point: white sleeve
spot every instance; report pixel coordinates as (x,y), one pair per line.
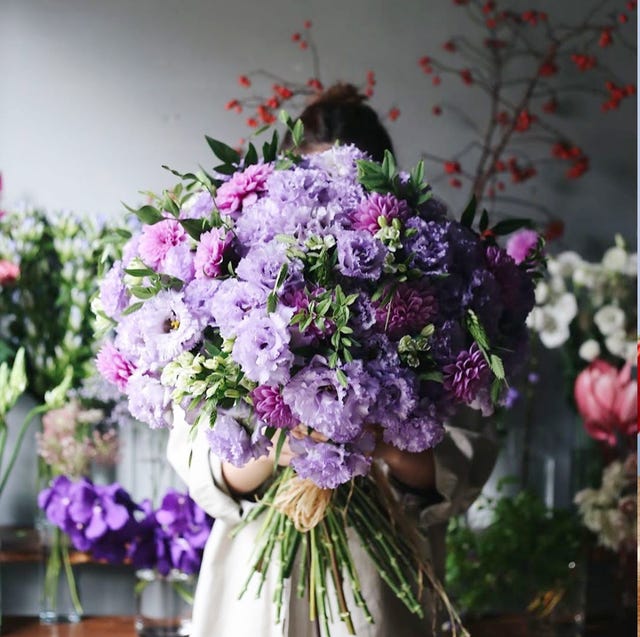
(201,471)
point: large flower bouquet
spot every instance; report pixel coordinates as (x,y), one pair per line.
(329,302)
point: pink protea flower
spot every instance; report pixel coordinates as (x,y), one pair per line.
(410,309)
(468,375)
(9,272)
(607,400)
(243,189)
(156,240)
(113,366)
(210,253)
(270,407)
(365,216)
(521,243)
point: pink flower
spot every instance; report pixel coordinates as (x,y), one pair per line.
(409,310)
(270,407)
(210,252)
(156,240)
(521,244)
(607,400)
(9,272)
(113,366)
(243,189)
(366,216)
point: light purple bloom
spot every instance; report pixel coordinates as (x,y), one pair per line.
(261,347)
(113,292)
(360,255)
(232,301)
(179,262)
(420,432)
(318,399)
(149,401)
(262,264)
(199,206)
(230,441)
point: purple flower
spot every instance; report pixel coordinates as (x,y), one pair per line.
(261,347)
(318,399)
(418,433)
(468,375)
(262,265)
(199,206)
(232,301)
(242,189)
(197,298)
(366,216)
(269,406)
(113,293)
(429,248)
(360,255)
(210,253)
(149,400)
(178,262)
(326,464)
(410,309)
(230,441)
(157,239)
(114,366)
(521,244)
(398,395)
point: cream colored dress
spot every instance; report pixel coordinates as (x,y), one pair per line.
(463,462)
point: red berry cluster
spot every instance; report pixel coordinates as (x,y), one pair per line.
(524,121)
(574,154)
(371,82)
(616,95)
(302,40)
(584,62)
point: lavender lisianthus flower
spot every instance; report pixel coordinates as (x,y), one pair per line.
(468,375)
(199,206)
(149,400)
(366,215)
(269,406)
(210,253)
(157,239)
(339,161)
(197,297)
(398,394)
(114,366)
(319,400)
(261,347)
(428,248)
(242,189)
(166,326)
(261,266)
(326,464)
(113,292)
(230,441)
(421,431)
(360,255)
(232,301)
(179,262)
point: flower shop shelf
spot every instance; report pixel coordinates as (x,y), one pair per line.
(89,627)
(18,544)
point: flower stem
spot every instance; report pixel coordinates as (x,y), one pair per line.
(71,580)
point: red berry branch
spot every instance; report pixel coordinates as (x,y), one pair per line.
(526,64)
(260,106)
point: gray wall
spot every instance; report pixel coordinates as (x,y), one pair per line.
(96,95)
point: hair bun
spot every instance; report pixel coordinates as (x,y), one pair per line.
(340,93)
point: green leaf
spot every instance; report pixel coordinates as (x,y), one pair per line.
(496,389)
(251,156)
(469,213)
(484,221)
(223,152)
(272,303)
(142,292)
(225,169)
(195,227)
(434,376)
(495,362)
(140,272)
(511,225)
(342,378)
(417,174)
(297,133)
(281,440)
(282,275)
(147,214)
(476,330)
(133,308)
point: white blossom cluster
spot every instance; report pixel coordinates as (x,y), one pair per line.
(597,301)
(48,309)
(610,511)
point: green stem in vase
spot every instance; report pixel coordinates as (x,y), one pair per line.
(52,572)
(71,580)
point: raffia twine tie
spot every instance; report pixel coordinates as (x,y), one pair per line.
(303,501)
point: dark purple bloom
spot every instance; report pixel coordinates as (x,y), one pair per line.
(429,248)
(360,255)
(269,406)
(410,309)
(468,375)
(422,431)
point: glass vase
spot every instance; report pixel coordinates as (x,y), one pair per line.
(59,595)
(163,603)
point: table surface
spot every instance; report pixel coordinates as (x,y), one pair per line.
(88,627)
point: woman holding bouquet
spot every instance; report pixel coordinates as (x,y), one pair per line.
(429,486)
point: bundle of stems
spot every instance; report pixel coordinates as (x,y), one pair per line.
(322,551)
